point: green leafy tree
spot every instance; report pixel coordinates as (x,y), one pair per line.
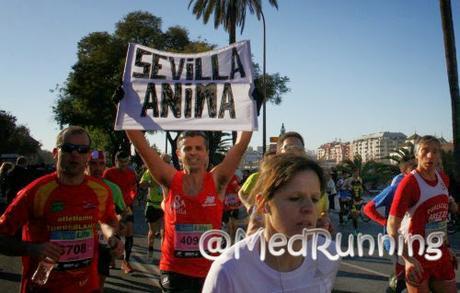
(16,138)
(140,27)
(85,98)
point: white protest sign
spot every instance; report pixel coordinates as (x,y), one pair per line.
(172,91)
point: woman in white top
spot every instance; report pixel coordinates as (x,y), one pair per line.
(288,189)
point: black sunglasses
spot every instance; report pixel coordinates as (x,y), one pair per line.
(70,147)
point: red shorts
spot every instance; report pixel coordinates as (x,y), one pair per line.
(440,270)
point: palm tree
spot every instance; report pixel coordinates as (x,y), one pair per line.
(219,144)
(404,154)
(372,173)
(452,73)
(229,14)
(350,166)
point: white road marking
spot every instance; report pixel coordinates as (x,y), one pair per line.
(365,269)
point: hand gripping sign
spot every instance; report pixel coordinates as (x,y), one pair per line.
(172,91)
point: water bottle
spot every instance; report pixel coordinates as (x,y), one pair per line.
(43,271)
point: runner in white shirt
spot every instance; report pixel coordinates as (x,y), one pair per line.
(287,191)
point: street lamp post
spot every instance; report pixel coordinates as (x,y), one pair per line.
(264,107)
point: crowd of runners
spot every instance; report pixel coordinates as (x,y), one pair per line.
(80,218)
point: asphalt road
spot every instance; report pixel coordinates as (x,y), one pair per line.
(356,274)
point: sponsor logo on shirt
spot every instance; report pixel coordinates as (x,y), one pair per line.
(178,205)
(89,205)
(82,282)
(57,206)
(210,201)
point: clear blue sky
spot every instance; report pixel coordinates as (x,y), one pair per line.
(356,67)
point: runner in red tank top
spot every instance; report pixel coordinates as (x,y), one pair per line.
(193,204)
(422,200)
(125,177)
(59,213)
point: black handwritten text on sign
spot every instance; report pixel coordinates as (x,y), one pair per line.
(195,89)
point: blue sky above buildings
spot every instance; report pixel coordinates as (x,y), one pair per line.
(356,67)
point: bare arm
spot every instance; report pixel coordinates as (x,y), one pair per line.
(245,200)
(109,230)
(162,172)
(224,171)
(413,268)
(9,245)
(393,225)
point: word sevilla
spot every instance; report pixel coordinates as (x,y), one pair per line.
(193,91)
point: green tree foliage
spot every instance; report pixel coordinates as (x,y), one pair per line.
(16,138)
(85,98)
(276,86)
(142,28)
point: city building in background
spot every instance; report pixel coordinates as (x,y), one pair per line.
(335,151)
(377,146)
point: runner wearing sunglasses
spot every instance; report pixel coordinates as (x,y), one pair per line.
(59,213)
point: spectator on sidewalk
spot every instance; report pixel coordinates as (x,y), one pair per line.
(17,178)
(4,169)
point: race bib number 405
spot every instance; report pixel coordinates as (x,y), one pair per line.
(187,238)
(78,248)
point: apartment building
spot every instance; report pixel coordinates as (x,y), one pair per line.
(377,146)
(333,152)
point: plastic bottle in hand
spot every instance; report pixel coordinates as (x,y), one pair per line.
(43,271)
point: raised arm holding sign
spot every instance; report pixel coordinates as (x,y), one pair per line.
(206,91)
(193,203)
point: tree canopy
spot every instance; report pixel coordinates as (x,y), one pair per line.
(16,138)
(85,97)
